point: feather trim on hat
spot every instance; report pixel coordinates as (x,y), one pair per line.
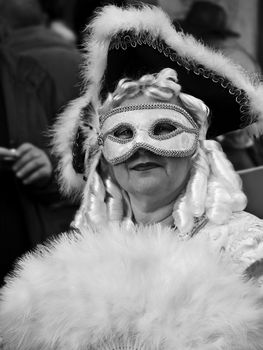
(64,133)
(79,117)
(136,288)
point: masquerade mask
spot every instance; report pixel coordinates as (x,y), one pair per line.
(164,129)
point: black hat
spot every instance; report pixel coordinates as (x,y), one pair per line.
(130,42)
(206,19)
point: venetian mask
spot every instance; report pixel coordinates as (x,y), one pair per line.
(165,129)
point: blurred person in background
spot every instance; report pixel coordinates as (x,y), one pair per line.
(83,12)
(57,18)
(39,75)
(208,22)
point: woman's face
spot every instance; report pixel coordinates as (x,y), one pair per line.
(149,174)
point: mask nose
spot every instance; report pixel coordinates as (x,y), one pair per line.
(141,152)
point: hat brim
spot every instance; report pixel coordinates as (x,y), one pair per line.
(202,32)
(225,33)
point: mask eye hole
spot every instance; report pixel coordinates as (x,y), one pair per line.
(163,128)
(123,132)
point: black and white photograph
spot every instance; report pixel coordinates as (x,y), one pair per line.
(131,175)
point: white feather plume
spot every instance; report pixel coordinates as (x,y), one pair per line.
(137,287)
(64,132)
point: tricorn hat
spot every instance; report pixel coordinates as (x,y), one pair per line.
(130,42)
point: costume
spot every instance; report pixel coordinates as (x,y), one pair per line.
(112,283)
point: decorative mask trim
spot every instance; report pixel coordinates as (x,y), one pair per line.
(157,105)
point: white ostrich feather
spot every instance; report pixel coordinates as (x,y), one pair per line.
(64,132)
(121,287)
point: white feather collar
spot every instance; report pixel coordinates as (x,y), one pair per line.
(131,286)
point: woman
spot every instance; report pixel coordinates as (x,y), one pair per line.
(128,276)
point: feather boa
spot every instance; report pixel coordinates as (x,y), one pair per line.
(127,287)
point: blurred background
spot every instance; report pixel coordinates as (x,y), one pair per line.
(244,17)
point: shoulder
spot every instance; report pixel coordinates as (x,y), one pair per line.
(241,238)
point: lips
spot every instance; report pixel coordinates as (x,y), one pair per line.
(145,166)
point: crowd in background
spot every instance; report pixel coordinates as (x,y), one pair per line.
(40,61)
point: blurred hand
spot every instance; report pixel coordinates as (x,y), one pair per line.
(7,154)
(32,165)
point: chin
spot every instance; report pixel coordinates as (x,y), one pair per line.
(148,184)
